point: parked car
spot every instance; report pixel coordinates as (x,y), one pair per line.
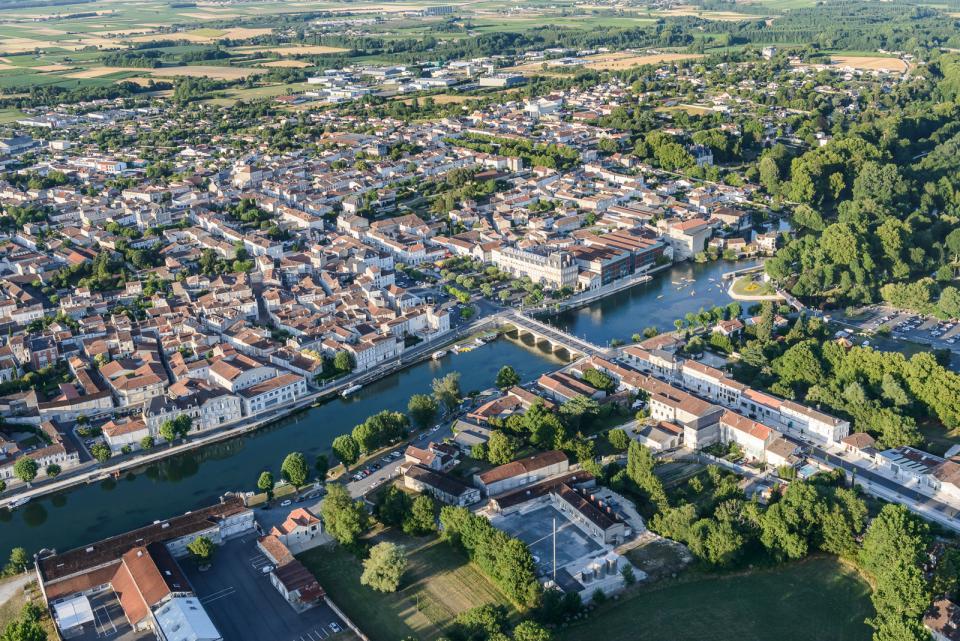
(267,569)
(286,503)
(335,627)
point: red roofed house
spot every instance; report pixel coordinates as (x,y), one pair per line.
(301,530)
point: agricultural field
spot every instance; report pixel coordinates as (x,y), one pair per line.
(439,584)
(607,62)
(757,605)
(727,16)
(292,50)
(872,63)
(624,60)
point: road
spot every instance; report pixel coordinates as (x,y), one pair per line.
(923,504)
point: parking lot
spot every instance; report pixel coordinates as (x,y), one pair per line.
(535,528)
(913,327)
(238,596)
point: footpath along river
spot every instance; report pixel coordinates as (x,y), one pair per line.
(184,482)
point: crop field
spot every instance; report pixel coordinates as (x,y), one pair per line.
(615,61)
(292,50)
(610,61)
(871,63)
(204,35)
(727,16)
(286,64)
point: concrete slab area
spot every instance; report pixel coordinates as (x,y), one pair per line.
(535,528)
(245,606)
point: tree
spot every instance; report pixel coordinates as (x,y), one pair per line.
(295,469)
(19,560)
(447,391)
(599,380)
(24,630)
(619,439)
(422,409)
(893,553)
(482,622)
(53,470)
(640,464)
(265,483)
(101,452)
(530,631)
(344,518)
(346,449)
(146,443)
(168,431)
(202,549)
(378,430)
(422,518)
(25,469)
(500,449)
(384,568)
(393,506)
(344,361)
(507,377)
(321,466)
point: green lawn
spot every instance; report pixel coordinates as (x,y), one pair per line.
(748,286)
(439,584)
(814,600)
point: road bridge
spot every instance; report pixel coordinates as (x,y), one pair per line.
(557,339)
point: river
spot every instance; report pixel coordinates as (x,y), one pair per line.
(91,512)
(656,303)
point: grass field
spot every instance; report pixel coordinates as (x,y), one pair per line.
(747,286)
(814,600)
(439,584)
